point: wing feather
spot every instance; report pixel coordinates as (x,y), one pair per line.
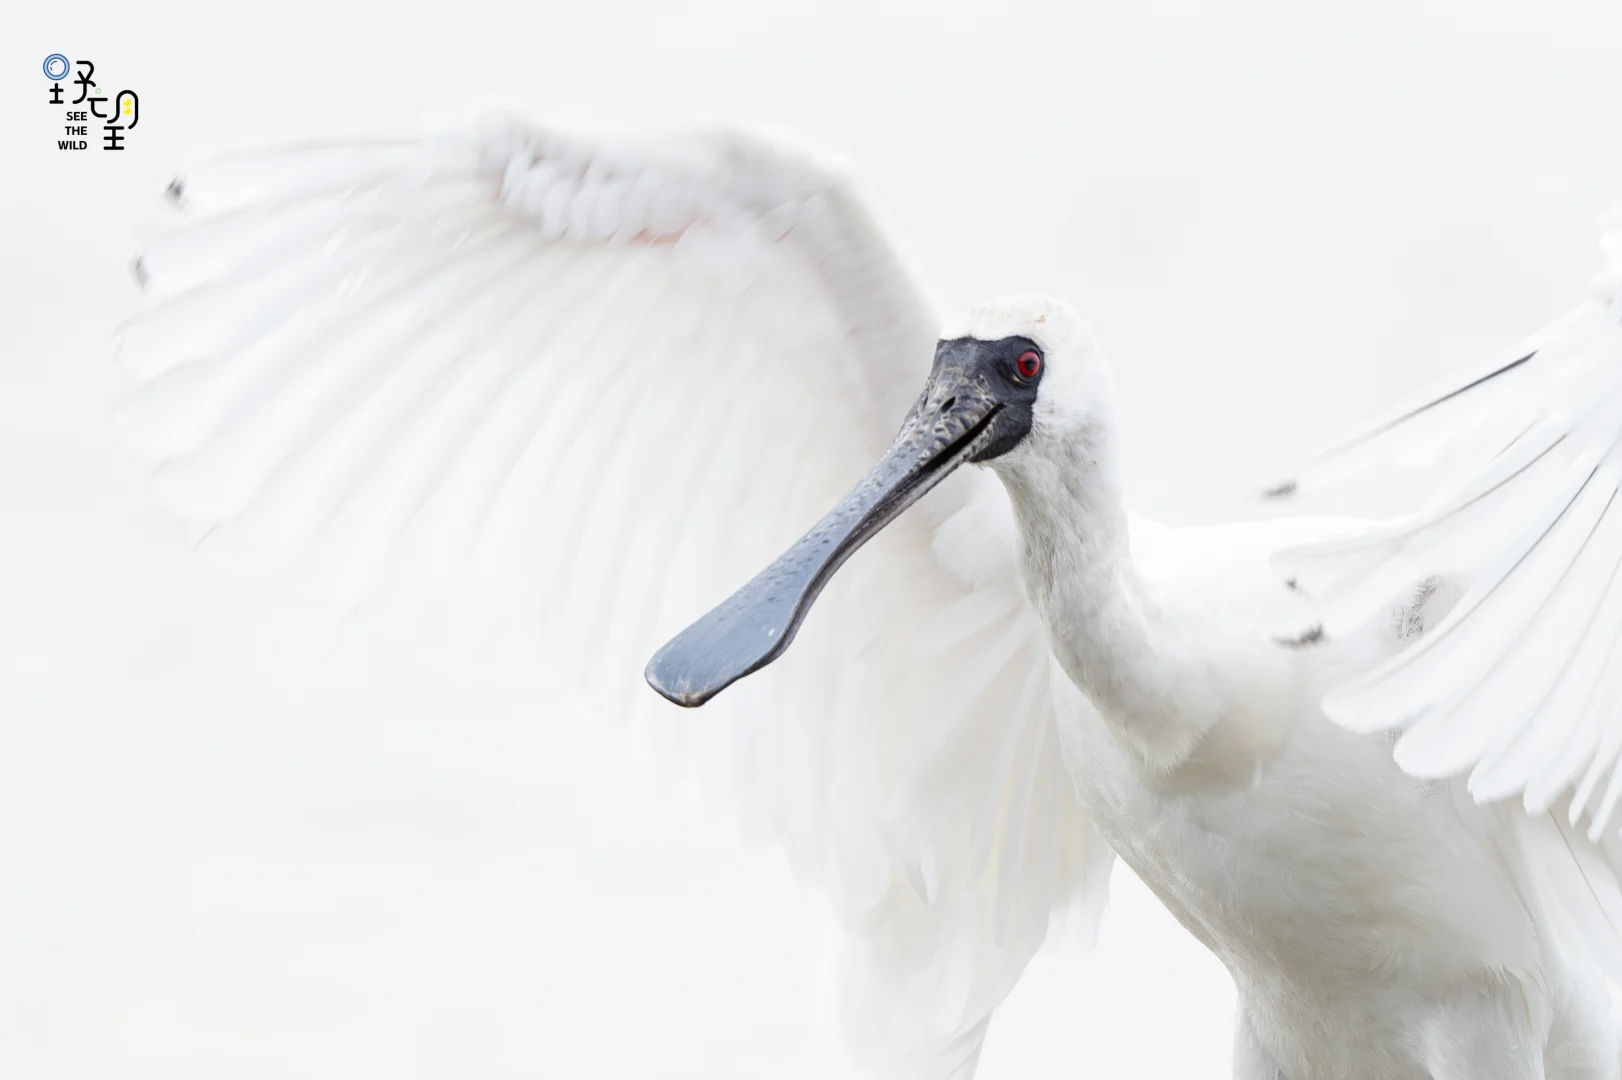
(540,394)
(1513,476)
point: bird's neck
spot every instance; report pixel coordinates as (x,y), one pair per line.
(1152,669)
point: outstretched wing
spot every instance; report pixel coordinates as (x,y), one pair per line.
(1516,472)
(542,394)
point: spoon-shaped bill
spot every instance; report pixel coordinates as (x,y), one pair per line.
(754,625)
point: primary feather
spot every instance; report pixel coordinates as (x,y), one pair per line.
(1520,685)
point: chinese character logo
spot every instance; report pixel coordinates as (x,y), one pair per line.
(83,111)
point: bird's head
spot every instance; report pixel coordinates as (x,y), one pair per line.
(1012,380)
(1024,367)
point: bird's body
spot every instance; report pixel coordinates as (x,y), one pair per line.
(545,392)
(1375,925)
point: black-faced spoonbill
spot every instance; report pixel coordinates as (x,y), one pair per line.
(545,393)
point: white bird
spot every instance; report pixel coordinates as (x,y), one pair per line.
(545,392)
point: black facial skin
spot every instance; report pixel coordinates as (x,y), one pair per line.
(992,368)
(976,406)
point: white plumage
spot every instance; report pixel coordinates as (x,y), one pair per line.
(542,393)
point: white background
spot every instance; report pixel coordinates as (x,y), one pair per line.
(240,839)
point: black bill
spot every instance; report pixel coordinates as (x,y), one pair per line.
(962,415)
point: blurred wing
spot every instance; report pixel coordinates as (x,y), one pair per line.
(543,395)
(1516,677)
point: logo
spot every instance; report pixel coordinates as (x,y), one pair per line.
(85,111)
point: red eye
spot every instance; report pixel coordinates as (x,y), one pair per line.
(1029,363)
